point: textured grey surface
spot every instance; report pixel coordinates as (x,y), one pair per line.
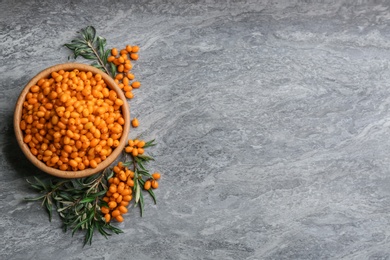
(271,117)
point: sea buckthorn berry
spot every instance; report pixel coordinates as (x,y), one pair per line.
(141,144)
(105,210)
(147,185)
(129,94)
(154,184)
(134,56)
(114,51)
(135,122)
(130,76)
(136,84)
(112,204)
(124,203)
(128,149)
(130,182)
(107,218)
(119,218)
(115,213)
(112,188)
(129,48)
(156,176)
(122,209)
(127,198)
(135,49)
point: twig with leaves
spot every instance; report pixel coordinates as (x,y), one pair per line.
(77,202)
(92,47)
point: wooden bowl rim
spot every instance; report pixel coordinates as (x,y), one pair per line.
(71,174)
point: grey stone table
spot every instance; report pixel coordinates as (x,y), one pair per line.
(271,117)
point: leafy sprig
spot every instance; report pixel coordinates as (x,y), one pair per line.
(77,202)
(92,47)
(139,167)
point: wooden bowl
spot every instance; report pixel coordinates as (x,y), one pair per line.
(71,174)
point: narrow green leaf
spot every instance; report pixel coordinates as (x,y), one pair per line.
(35,199)
(137,192)
(88,199)
(40,182)
(141,204)
(150,143)
(49,208)
(112,69)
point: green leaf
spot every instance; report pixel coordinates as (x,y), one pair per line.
(40,182)
(89,33)
(141,203)
(106,55)
(101,42)
(145,173)
(112,69)
(35,199)
(88,199)
(49,208)
(150,143)
(137,191)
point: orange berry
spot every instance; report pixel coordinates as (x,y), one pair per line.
(129,48)
(130,76)
(156,176)
(115,213)
(147,185)
(136,84)
(117,169)
(129,94)
(122,209)
(128,149)
(135,48)
(119,76)
(119,218)
(114,51)
(141,144)
(154,184)
(111,59)
(112,188)
(134,56)
(127,198)
(124,203)
(140,150)
(107,217)
(134,152)
(105,210)
(130,182)
(135,122)
(112,204)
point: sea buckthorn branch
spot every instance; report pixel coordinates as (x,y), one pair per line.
(128,181)
(91,47)
(77,202)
